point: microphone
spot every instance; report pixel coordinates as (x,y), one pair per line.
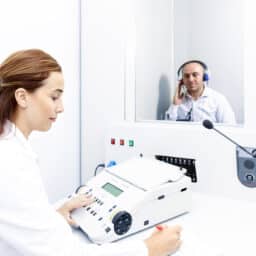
(246,166)
(209,125)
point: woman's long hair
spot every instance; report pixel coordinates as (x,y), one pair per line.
(23,69)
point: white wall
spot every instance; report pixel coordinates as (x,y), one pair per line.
(52,26)
(249,63)
(153,57)
(218,40)
(103,75)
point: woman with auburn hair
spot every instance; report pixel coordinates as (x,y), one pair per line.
(31,86)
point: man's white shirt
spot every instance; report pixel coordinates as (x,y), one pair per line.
(210,105)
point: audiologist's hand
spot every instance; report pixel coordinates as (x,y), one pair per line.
(163,242)
(75,202)
(179,95)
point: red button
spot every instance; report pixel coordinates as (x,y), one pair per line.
(121,142)
(113,141)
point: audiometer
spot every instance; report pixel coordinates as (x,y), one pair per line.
(132,196)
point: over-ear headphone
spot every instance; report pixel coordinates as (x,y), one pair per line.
(206,75)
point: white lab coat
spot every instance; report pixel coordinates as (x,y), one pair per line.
(29,225)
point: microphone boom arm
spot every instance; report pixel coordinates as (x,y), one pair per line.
(233,142)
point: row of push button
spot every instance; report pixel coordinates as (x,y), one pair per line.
(92,212)
(111,209)
(97,200)
(122,142)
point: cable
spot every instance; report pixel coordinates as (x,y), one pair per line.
(97,167)
(95,173)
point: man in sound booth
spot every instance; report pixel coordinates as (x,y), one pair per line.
(194,100)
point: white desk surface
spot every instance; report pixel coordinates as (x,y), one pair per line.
(215,226)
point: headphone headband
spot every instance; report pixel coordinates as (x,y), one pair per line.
(206,76)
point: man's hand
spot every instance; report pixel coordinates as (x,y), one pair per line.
(179,95)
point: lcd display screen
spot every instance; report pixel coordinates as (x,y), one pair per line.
(113,190)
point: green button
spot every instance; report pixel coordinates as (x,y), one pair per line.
(131,143)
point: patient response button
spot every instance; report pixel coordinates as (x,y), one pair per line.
(249,177)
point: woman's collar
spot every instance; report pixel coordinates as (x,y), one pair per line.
(11,130)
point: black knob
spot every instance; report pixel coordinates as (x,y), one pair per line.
(122,222)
